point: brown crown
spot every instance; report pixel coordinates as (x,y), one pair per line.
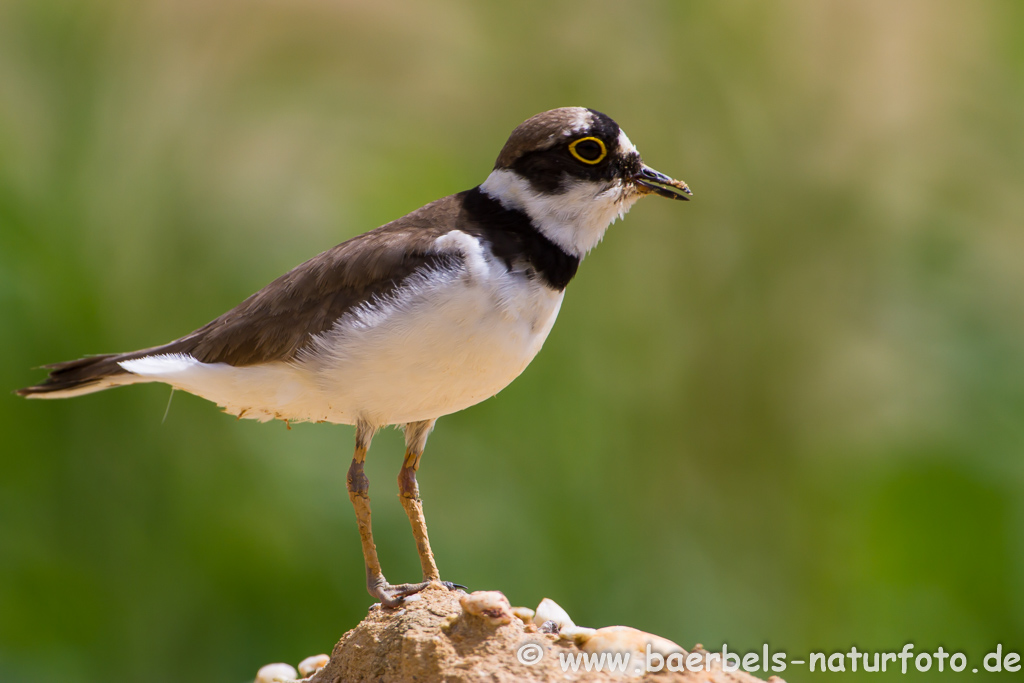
(543,131)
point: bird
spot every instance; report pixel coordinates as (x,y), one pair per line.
(414,320)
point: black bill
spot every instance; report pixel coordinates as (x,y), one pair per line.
(661,184)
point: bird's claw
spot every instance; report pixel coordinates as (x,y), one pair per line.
(394,596)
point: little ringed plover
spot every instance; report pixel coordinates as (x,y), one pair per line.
(422,317)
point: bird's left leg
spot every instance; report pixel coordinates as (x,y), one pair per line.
(409,493)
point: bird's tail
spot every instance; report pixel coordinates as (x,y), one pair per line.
(82,376)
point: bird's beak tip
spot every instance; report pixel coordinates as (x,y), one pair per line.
(650,181)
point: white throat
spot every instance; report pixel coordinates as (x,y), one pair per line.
(575,219)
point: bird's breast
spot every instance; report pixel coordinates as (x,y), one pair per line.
(444,341)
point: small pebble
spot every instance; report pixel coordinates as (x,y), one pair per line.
(490,605)
(276,673)
(549,626)
(310,665)
(548,610)
(577,634)
(524,614)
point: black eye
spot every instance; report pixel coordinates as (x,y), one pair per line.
(589,150)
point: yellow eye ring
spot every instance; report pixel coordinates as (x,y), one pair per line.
(599,159)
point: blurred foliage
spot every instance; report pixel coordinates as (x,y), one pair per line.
(790,411)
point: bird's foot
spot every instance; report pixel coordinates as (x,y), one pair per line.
(394,596)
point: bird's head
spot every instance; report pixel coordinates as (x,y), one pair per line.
(573,171)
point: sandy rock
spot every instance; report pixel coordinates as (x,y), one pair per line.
(434,640)
(491,605)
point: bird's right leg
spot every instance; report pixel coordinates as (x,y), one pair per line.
(359,494)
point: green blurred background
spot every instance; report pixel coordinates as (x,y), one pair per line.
(790,411)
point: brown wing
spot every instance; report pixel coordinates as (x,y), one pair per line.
(280,319)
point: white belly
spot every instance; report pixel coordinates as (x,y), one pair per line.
(445,352)
(440,345)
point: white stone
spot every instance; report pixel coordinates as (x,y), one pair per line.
(490,605)
(276,673)
(524,614)
(310,665)
(577,634)
(627,639)
(548,610)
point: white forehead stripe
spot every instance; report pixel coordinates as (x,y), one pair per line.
(625,146)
